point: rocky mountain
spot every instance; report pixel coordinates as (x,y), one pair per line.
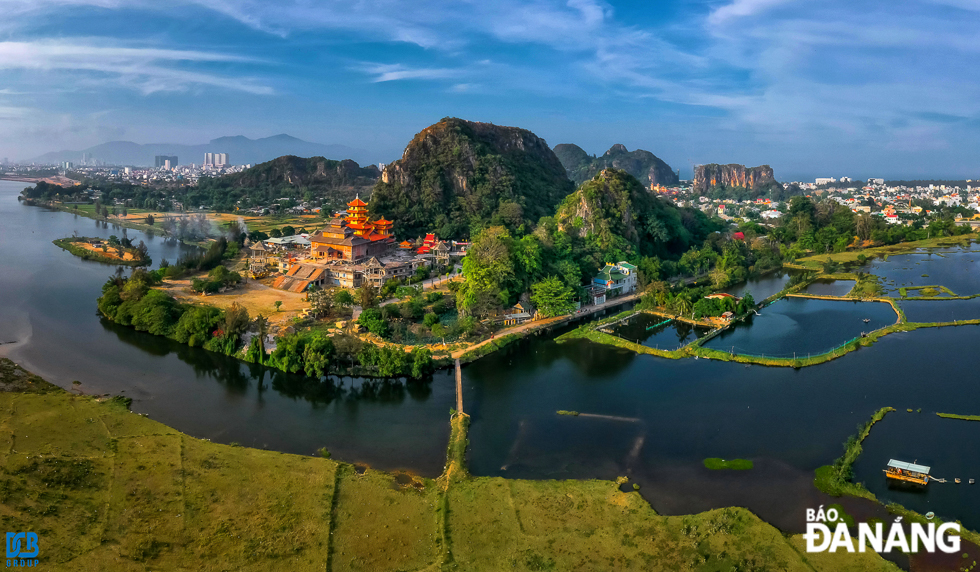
(457,176)
(713,176)
(317,179)
(241,151)
(620,214)
(644,165)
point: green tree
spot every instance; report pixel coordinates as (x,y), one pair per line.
(421,362)
(343,298)
(372,320)
(320,300)
(367,295)
(277,304)
(552,297)
(488,268)
(317,355)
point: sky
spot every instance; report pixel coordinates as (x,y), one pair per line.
(813,88)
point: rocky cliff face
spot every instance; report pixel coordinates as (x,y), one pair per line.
(644,165)
(458,175)
(713,175)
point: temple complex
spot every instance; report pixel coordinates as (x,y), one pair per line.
(354,238)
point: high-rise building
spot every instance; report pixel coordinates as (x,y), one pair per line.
(161,160)
(215,159)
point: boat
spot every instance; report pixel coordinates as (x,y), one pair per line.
(907,472)
(957,481)
(930,515)
(866,320)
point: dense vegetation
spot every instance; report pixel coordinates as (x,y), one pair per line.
(644,165)
(458,177)
(611,218)
(287,180)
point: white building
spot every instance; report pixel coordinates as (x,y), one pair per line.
(825,180)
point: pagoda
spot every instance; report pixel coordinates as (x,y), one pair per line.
(357,218)
(355,237)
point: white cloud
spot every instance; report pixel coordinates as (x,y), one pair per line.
(142,69)
(395,72)
(741,9)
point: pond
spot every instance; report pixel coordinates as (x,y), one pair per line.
(763,286)
(940,310)
(801,326)
(954,268)
(948,446)
(829,287)
(658,332)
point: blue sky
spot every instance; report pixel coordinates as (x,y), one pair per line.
(814,88)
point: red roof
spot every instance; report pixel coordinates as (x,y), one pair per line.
(382,221)
(739,236)
(357,202)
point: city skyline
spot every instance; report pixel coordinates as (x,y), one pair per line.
(836,89)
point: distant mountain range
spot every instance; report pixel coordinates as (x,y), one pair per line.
(241,151)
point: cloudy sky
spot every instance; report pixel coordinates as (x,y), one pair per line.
(814,88)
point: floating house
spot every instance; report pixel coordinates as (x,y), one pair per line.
(907,472)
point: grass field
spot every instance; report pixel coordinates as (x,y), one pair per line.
(107,489)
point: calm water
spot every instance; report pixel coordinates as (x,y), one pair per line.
(763,286)
(941,310)
(803,325)
(662,417)
(955,268)
(829,287)
(653,419)
(949,446)
(48,309)
(669,336)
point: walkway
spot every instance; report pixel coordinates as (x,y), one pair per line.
(538,324)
